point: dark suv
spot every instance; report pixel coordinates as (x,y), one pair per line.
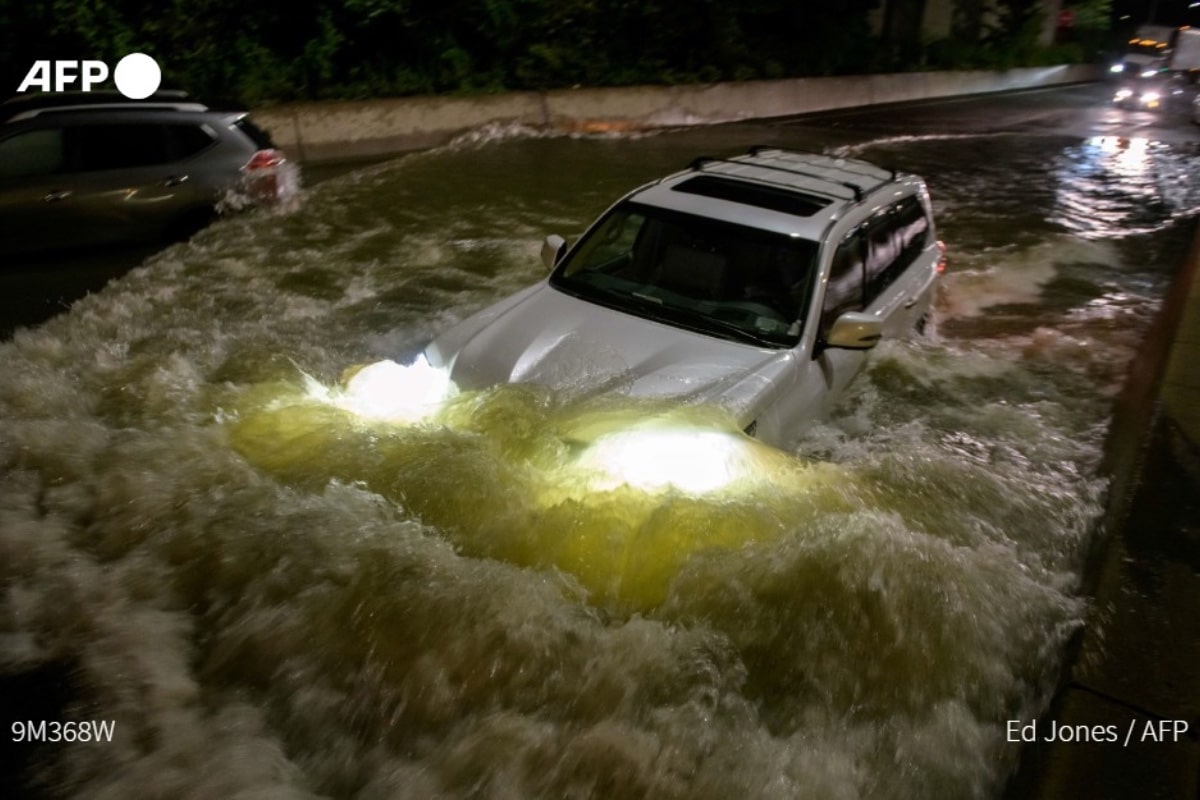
(90,169)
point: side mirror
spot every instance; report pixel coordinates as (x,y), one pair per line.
(855,330)
(552,250)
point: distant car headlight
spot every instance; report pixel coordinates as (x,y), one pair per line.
(1149,73)
(1150,97)
(1117,68)
(1123,94)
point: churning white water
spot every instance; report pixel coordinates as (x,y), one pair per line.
(273,596)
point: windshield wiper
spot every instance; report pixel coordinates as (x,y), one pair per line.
(736,331)
(656,308)
(613,298)
(703,323)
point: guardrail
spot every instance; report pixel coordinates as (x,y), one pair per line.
(338,130)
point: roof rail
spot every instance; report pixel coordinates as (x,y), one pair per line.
(849,163)
(41,112)
(857,190)
(31,105)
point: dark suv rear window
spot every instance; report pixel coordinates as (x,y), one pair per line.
(187,140)
(261,138)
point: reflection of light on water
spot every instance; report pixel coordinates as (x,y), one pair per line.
(1109,186)
(1131,156)
(390,392)
(693,461)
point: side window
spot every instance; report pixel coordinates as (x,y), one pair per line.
(31,153)
(912,227)
(187,140)
(882,251)
(896,237)
(845,289)
(121,146)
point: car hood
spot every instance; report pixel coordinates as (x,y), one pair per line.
(547,337)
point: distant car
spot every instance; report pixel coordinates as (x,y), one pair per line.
(97,168)
(1142,96)
(756,283)
(1159,92)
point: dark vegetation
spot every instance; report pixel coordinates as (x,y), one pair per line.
(277,50)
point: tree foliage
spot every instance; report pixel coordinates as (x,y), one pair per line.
(276,50)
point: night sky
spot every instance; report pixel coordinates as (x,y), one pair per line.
(1167,12)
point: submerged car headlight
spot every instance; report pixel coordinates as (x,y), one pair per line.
(693,461)
(1150,97)
(391,392)
(1117,68)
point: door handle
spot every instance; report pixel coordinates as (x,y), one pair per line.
(175,180)
(57,195)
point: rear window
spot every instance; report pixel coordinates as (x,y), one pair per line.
(752,194)
(187,140)
(261,138)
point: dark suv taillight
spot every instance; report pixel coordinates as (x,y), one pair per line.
(262,174)
(264,159)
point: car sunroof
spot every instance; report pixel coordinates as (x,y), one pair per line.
(751,194)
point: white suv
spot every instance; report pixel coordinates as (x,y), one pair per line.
(756,283)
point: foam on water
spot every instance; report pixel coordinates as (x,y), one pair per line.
(273,597)
(1014,275)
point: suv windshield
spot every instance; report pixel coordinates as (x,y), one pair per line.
(713,277)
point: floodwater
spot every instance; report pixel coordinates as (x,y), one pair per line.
(272,597)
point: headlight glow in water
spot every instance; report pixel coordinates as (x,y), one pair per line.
(693,461)
(620,494)
(390,392)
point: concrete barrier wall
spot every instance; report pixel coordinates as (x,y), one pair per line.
(341,130)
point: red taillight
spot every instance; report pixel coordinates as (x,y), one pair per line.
(261,176)
(941,264)
(264,159)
